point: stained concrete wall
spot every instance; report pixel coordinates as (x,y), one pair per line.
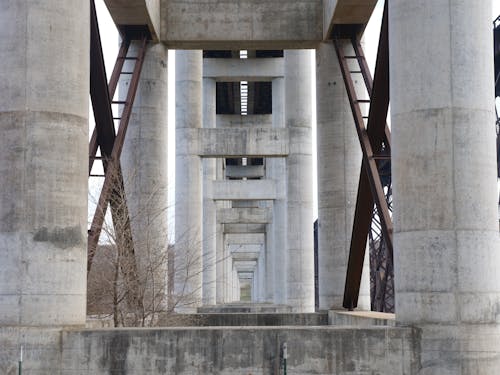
(241,351)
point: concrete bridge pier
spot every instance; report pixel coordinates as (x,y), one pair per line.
(277,239)
(209,205)
(188,181)
(145,167)
(44,82)
(339,163)
(447,248)
(298,119)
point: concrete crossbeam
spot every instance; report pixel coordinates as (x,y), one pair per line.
(346,12)
(244,190)
(242,142)
(245,238)
(244,215)
(245,265)
(236,70)
(245,228)
(249,248)
(248,256)
(241,24)
(245,171)
(239,121)
(136,13)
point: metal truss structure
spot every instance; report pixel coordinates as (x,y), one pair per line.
(109,141)
(373,215)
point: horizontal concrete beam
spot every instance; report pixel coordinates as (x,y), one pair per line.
(241,24)
(246,238)
(239,121)
(136,13)
(248,171)
(245,276)
(244,215)
(245,228)
(227,190)
(346,12)
(236,70)
(243,142)
(245,265)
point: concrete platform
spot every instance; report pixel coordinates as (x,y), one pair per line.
(237,307)
(361,318)
(244,320)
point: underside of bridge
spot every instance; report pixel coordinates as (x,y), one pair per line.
(399,274)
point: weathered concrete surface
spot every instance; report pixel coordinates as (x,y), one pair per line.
(136,12)
(236,70)
(209,206)
(245,171)
(239,121)
(44,83)
(246,308)
(248,319)
(242,351)
(276,238)
(244,190)
(241,24)
(188,179)
(299,198)
(361,318)
(245,228)
(446,240)
(42,350)
(244,215)
(145,168)
(243,142)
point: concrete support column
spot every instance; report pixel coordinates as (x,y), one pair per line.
(188,175)
(219,266)
(145,168)
(209,207)
(446,238)
(339,165)
(298,119)
(261,271)
(276,239)
(44,109)
(44,82)
(226,272)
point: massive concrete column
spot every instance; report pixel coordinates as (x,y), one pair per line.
(188,180)
(339,164)
(144,164)
(276,238)
(298,119)
(209,207)
(44,81)
(446,238)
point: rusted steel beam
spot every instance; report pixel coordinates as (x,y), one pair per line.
(104,130)
(373,139)
(113,174)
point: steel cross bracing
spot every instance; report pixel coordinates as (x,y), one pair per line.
(110,144)
(373,217)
